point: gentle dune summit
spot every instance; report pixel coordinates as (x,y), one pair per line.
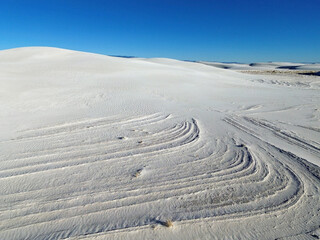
(99,147)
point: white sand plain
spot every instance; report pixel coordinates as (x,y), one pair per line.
(99,147)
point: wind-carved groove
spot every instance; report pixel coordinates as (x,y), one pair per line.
(53,186)
(71,152)
(187,133)
(284,135)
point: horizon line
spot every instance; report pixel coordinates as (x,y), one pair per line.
(184,60)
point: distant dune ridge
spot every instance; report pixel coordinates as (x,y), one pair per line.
(267,66)
(100,147)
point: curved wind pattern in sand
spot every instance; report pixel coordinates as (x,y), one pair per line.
(138,172)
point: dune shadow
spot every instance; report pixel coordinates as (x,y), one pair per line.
(311,73)
(289,67)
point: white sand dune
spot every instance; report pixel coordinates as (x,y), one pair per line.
(265,66)
(98,147)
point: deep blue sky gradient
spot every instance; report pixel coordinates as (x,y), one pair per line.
(225,30)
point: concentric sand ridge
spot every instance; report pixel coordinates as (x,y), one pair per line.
(145,169)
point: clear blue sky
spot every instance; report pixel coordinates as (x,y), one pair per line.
(224,30)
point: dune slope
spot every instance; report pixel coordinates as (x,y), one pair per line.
(99,147)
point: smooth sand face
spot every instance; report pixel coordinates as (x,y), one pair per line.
(98,147)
